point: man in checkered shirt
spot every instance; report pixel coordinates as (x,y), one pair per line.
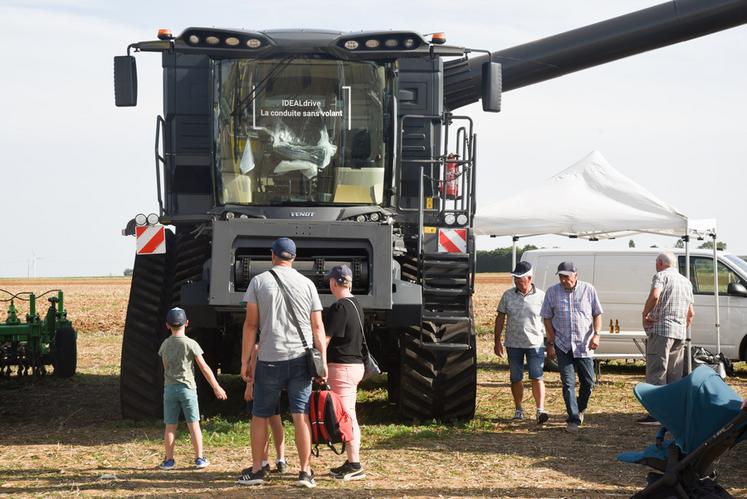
(667,314)
(573,318)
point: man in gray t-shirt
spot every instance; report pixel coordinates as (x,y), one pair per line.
(281,362)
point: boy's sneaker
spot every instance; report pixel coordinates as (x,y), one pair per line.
(281,466)
(201,462)
(306,479)
(542,416)
(167,464)
(518,415)
(348,471)
(248,477)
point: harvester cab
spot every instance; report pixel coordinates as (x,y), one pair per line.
(348,143)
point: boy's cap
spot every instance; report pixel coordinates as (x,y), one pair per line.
(176,317)
(284,248)
(523,269)
(340,273)
(566,268)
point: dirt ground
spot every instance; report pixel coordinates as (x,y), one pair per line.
(65,436)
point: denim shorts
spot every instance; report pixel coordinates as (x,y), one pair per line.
(177,398)
(535,362)
(269,380)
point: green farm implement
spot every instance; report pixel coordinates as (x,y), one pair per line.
(34,343)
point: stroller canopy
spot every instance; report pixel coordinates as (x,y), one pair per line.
(693,408)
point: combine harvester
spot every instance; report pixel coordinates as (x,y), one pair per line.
(348,142)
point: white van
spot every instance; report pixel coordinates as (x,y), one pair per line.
(623,280)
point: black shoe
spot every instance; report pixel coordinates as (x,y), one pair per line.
(306,479)
(648,420)
(348,471)
(266,468)
(248,477)
(281,466)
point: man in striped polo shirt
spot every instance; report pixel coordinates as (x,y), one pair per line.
(573,319)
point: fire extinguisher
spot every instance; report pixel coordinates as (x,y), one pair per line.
(452,172)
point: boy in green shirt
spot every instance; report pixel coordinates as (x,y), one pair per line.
(179,354)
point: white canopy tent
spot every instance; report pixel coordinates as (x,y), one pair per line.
(592,200)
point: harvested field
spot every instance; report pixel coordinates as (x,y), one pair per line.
(65,437)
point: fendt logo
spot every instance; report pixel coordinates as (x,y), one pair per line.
(302,213)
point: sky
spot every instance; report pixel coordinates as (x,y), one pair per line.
(75,168)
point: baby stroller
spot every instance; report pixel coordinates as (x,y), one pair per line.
(702,413)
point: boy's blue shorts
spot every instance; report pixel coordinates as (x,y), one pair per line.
(180,398)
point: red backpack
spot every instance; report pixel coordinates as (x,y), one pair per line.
(330,423)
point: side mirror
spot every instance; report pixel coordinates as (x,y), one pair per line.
(492,86)
(125,81)
(736,289)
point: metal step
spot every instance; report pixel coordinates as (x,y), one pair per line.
(445,256)
(444,317)
(427,290)
(443,347)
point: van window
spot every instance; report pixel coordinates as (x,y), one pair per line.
(701,275)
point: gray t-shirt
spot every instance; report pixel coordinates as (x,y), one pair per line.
(524,326)
(279,339)
(178,355)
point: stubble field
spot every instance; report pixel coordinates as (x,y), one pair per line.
(66,437)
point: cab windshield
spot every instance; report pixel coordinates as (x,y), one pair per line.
(299,131)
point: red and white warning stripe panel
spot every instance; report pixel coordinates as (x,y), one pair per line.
(452,240)
(150,240)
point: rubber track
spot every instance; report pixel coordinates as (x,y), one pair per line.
(141,376)
(438,385)
(156,286)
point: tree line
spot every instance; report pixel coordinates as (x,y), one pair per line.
(499,259)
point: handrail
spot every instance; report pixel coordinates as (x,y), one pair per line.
(160,123)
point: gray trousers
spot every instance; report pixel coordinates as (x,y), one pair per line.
(665,359)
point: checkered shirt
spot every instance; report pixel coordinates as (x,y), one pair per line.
(675,297)
(572,313)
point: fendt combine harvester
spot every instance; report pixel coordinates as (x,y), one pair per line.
(348,143)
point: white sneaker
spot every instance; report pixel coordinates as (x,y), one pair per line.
(581,417)
(518,415)
(542,416)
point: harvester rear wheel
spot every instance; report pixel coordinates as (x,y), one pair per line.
(65,359)
(439,385)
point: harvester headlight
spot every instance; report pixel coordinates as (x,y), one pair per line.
(409,43)
(375,216)
(212,40)
(351,45)
(391,43)
(232,41)
(141,219)
(360,218)
(461,219)
(253,43)
(194,39)
(449,219)
(372,43)
(230,215)
(152,219)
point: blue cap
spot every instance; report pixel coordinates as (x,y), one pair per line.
(176,317)
(523,269)
(566,268)
(284,248)
(340,273)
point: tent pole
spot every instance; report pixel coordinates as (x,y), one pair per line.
(515,239)
(689,334)
(715,295)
